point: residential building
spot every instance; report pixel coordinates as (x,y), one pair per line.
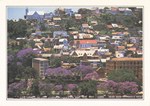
(119,54)
(56,19)
(85,43)
(83,36)
(114,25)
(120,48)
(68,12)
(85,25)
(78,16)
(125,11)
(63,41)
(58,47)
(95,11)
(112,11)
(94,23)
(103,50)
(48,15)
(82,52)
(109,26)
(57,34)
(87,56)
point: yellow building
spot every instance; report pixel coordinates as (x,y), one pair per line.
(40,65)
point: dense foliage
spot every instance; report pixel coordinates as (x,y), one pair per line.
(88,88)
(17,28)
(122,88)
(122,75)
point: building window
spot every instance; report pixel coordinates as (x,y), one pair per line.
(134,62)
(41,68)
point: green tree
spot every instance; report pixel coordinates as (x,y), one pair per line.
(60,12)
(122,75)
(46,89)
(88,88)
(31,43)
(110,47)
(29,72)
(85,12)
(128,52)
(67,59)
(108,18)
(100,27)
(22,44)
(12,73)
(55,62)
(74,92)
(19,72)
(42,27)
(35,88)
(16,28)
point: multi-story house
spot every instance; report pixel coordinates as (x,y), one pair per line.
(85,43)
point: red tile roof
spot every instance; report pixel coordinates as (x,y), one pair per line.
(109,26)
(85,25)
(88,41)
(132,49)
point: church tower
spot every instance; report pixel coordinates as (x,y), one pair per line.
(27,11)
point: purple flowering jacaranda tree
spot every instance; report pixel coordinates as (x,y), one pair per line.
(59,71)
(46,88)
(71,87)
(10,58)
(92,76)
(109,86)
(15,89)
(58,87)
(26,56)
(127,87)
(82,70)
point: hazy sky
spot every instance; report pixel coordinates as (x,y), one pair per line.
(16,13)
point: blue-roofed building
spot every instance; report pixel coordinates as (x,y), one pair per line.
(38,15)
(126,11)
(68,12)
(65,42)
(48,15)
(111,12)
(85,43)
(57,34)
(34,15)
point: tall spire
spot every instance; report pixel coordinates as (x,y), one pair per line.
(27,11)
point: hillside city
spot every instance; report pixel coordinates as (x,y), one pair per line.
(93,53)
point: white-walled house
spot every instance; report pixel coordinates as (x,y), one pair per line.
(119,54)
(81,52)
(103,50)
